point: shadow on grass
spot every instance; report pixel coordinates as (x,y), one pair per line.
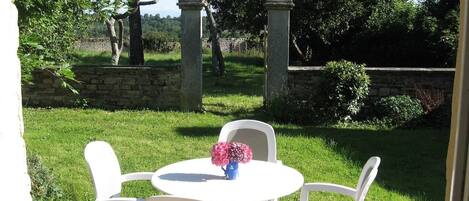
(243,75)
(413,161)
(245,60)
(164,62)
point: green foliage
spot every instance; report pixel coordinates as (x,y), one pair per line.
(398,110)
(344,88)
(170,26)
(345,85)
(43,184)
(160,42)
(48,30)
(375,32)
(104,9)
(439,24)
(248,16)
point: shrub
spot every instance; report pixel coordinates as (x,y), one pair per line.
(430,99)
(160,42)
(43,184)
(437,110)
(345,86)
(340,93)
(398,110)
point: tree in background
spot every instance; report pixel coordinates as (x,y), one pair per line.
(108,11)
(375,32)
(136,55)
(318,25)
(218,62)
(245,16)
(439,21)
(112,11)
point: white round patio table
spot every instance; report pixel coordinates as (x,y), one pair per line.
(201,180)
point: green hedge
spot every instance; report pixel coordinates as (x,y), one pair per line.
(345,85)
(398,110)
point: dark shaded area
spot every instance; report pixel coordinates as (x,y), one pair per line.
(407,155)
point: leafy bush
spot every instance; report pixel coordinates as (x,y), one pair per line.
(398,110)
(160,42)
(48,31)
(345,86)
(43,184)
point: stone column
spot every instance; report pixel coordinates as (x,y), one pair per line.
(14,182)
(191,54)
(277,48)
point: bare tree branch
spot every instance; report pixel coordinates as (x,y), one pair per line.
(148,2)
(121,16)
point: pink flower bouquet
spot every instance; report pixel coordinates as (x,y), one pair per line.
(224,153)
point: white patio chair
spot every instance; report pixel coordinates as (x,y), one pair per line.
(106,172)
(368,175)
(168,198)
(258,135)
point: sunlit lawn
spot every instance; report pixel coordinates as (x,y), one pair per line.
(412,160)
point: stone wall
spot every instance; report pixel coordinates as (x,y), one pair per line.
(304,81)
(226,44)
(94,44)
(108,87)
(233,45)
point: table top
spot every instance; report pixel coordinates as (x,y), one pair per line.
(200,179)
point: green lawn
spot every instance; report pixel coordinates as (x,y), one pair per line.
(412,165)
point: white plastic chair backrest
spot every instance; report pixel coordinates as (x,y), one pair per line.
(104,168)
(258,135)
(168,198)
(368,175)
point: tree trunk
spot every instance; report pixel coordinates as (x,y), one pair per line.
(136,55)
(116,41)
(14,183)
(218,62)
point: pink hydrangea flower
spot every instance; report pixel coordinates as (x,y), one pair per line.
(220,154)
(223,153)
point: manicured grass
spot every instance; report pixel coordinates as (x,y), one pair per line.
(412,160)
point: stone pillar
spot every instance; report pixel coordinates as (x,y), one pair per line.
(191,54)
(277,48)
(14,182)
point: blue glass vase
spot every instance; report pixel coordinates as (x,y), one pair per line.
(231,171)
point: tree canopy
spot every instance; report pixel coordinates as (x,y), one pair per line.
(48,30)
(375,32)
